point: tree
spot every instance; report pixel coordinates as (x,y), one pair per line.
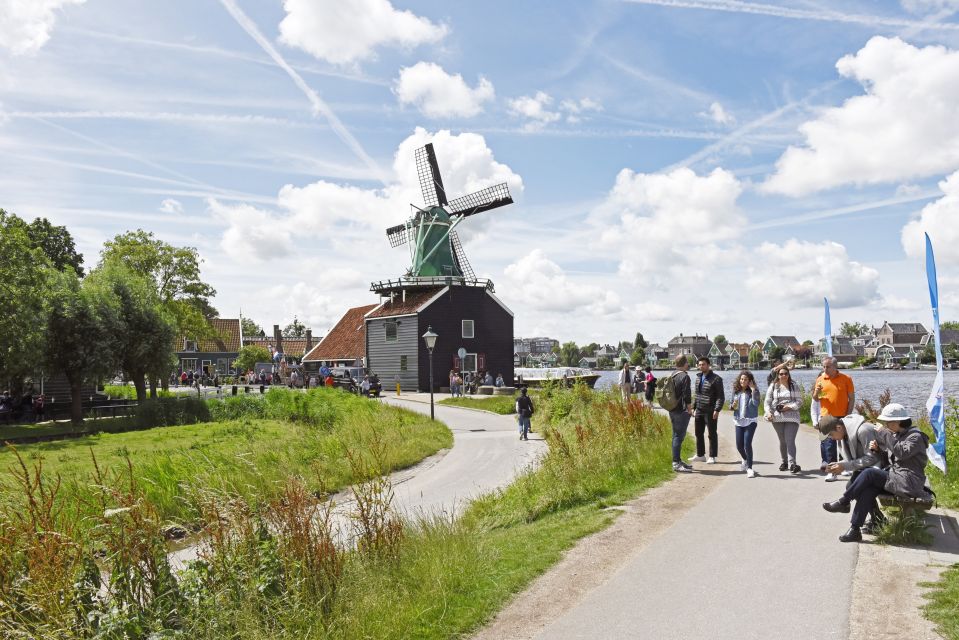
(175,273)
(777,353)
(569,354)
(250,328)
(949,324)
(24,285)
(721,341)
(803,352)
(84,323)
(144,332)
(295,329)
(587,351)
(249,356)
(854,329)
(638,357)
(755,356)
(57,243)
(625,345)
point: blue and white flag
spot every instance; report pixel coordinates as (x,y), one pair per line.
(828,330)
(935,405)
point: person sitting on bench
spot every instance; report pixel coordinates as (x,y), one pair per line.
(854,435)
(905,477)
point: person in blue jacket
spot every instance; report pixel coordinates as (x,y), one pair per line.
(745,406)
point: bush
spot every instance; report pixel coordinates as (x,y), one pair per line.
(321,407)
(128,392)
(166,412)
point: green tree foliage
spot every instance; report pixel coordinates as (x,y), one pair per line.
(950,324)
(777,353)
(625,345)
(853,329)
(145,332)
(83,324)
(250,328)
(295,329)
(175,274)
(638,357)
(250,355)
(721,342)
(755,356)
(640,342)
(57,243)
(588,351)
(569,354)
(24,282)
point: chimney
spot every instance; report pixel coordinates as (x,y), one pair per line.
(309,340)
(278,338)
(404,295)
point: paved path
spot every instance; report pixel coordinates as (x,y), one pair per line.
(757,558)
(486,455)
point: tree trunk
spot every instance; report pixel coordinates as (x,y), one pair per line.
(153,388)
(76,402)
(140,385)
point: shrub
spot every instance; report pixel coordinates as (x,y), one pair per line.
(166,412)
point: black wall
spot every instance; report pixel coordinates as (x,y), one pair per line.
(493,327)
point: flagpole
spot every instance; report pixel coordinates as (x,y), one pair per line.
(935,405)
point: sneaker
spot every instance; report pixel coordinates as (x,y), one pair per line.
(750,473)
(698,459)
(831,477)
(710,460)
(743,466)
(783,467)
(687,467)
(823,466)
(846,474)
(679,467)
(795,468)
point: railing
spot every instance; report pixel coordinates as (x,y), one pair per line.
(385,286)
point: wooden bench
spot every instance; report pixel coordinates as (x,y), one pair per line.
(504,391)
(906,505)
(485,390)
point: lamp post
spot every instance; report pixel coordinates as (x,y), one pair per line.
(430,339)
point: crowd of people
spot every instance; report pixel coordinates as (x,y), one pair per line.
(467,382)
(29,407)
(888,457)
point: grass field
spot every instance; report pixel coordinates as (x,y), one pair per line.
(503,405)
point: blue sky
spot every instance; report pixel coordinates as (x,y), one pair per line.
(701,166)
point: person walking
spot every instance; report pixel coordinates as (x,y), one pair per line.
(708,402)
(836,395)
(524,411)
(452,383)
(782,409)
(676,398)
(906,477)
(650,385)
(625,381)
(745,406)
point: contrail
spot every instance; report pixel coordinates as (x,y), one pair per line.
(319,105)
(803,218)
(737,6)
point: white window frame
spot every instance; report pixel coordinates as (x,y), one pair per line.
(386,335)
(472,326)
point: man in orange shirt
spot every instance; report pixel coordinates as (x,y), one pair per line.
(836,394)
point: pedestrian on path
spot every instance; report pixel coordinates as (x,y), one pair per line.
(625,381)
(524,411)
(745,406)
(782,409)
(650,385)
(836,395)
(709,401)
(906,477)
(676,398)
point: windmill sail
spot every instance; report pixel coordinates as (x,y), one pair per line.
(428,172)
(479,201)
(398,235)
(460,257)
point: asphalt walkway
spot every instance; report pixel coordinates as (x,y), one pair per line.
(755,559)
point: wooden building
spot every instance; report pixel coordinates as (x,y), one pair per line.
(344,345)
(465,316)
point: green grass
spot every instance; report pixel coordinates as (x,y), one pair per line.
(504,405)
(128,392)
(943,605)
(249,457)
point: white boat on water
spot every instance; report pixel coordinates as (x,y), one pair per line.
(534,377)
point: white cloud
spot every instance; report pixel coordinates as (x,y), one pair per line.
(651,311)
(929,6)
(349,221)
(719,115)
(347,31)
(664,223)
(535,108)
(902,127)
(940,219)
(171,206)
(803,273)
(575,109)
(438,94)
(25,25)
(543,285)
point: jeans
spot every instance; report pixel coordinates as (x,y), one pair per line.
(524,427)
(786,432)
(864,489)
(706,421)
(744,443)
(680,421)
(829,450)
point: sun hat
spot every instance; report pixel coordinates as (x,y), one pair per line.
(893,412)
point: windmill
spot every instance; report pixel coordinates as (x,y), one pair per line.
(435,247)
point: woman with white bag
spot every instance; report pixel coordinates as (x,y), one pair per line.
(782,408)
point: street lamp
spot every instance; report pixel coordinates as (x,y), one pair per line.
(430,339)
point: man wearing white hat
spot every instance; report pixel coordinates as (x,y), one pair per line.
(906,476)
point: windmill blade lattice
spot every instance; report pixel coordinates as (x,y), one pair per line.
(428,172)
(479,201)
(398,235)
(461,262)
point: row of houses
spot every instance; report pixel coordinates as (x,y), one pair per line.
(216,355)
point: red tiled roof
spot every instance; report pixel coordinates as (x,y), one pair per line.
(226,340)
(295,347)
(398,307)
(347,340)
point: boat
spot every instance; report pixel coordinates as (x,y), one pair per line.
(533,377)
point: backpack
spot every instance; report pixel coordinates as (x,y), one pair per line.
(669,395)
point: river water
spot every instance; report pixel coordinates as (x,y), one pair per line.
(909,388)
